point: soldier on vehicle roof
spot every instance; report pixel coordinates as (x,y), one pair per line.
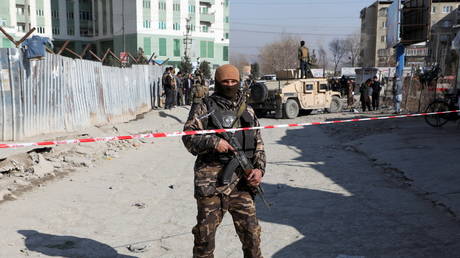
(304,59)
(213,153)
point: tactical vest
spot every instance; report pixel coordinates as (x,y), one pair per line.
(226,117)
(199,91)
(304,53)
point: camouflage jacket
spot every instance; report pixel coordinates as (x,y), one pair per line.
(198,93)
(207,170)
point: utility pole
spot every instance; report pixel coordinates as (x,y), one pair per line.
(188,38)
(123,24)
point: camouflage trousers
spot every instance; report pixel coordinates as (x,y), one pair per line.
(211,210)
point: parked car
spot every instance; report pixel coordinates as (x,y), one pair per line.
(268,77)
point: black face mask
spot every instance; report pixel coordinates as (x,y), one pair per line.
(227,91)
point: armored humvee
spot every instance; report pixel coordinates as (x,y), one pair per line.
(288,96)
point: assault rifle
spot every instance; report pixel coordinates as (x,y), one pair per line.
(240,159)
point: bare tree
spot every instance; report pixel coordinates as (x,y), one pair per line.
(322,59)
(279,55)
(239,60)
(338,51)
(353,48)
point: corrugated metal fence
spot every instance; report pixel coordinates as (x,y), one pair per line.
(60,94)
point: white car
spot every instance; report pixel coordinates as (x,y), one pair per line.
(268,77)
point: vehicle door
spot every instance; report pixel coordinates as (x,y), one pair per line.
(307,98)
(321,97)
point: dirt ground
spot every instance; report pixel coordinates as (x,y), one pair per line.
(351,190)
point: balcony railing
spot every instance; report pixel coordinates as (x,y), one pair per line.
(416,51)
(206,17)
(207,1)
(21,18)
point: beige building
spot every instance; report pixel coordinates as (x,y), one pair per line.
(445,23)
(374,52)
(373,35)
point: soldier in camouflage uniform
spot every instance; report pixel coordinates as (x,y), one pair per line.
(199,91)
(213,198)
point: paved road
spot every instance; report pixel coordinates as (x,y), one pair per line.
(328,201)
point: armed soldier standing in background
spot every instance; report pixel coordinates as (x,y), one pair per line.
(304,59)
(199,91)
(169,88)
(214,153)
(180,89)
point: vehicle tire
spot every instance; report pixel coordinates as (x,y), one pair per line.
(305,112)
(259,93)
(291,109)
(336,105)
(437,120)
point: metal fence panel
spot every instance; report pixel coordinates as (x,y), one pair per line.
(60,94)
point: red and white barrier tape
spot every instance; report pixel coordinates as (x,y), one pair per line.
(176,134)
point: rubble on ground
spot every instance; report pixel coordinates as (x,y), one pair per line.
(25,170)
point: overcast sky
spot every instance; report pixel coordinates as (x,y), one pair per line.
(254,23)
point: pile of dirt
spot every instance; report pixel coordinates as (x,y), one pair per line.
(24,171)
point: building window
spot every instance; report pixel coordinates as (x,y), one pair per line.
(382,52)
(146,4)
(70,31)
(433,9)
(203,49)
(225,53)
(21,27)
(162,25)
(192,27)
(226,19)
(226,2)
(162,5)
(191,9)
(207,49)
(204,28)
(226,35)
(55,30)
(70,16)
(176,26)
(147,24)
(85,32)
(55,13)
(210,49)
(147,46)
(204,9)
(447,9)
(20,9)
(40,12)
(382,39)
(176,7)
(162,44)
(85,16)
(383,12)
(40,30)
(177,47)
